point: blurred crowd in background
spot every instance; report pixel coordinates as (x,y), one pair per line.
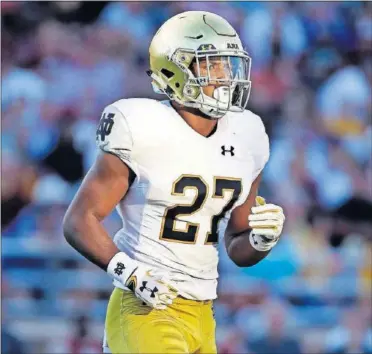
(63,62)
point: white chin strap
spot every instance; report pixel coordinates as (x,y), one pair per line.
(217,105)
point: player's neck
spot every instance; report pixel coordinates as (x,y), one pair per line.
(202,125)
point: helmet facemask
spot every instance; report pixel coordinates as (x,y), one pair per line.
(228,71)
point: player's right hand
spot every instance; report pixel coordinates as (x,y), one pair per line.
(151,288)
(147,285)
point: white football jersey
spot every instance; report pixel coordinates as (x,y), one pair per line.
(178,207)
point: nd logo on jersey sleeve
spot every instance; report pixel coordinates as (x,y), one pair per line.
(105,126)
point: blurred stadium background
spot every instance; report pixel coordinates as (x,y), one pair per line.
(62,62)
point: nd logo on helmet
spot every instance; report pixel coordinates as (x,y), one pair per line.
(206,47)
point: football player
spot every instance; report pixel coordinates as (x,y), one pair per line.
(182,173)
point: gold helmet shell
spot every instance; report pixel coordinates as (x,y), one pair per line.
(188,38)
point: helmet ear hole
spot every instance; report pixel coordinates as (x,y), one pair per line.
(177,84)
(167,73)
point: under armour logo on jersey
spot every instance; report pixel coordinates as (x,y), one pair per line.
(105,126)
(153,291)
(230,151)
(119,268)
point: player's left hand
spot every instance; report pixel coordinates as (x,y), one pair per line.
(267,222)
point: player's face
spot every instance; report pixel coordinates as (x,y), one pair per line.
(214,68)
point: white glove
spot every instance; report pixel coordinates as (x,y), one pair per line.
(148,286)
(266,222)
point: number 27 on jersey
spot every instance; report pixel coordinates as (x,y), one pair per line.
(168,231)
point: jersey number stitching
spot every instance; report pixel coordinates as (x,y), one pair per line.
(169,231)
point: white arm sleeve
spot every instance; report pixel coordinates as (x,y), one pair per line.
(114,136)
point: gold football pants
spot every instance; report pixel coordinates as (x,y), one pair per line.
(186,326)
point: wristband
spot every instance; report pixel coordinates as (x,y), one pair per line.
(258,244)
(121,267)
